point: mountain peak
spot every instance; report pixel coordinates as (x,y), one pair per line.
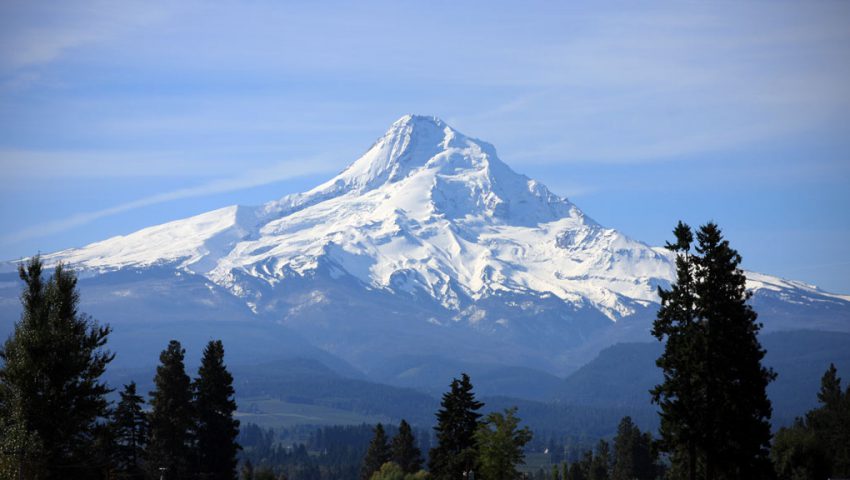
(459,176)
(414,120)
(428,227)
(409,144)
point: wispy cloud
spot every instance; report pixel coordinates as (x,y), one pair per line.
(655,81)
(36,34)
(24,165)
(650,86)
(658,145)
(249,179)
(592,93)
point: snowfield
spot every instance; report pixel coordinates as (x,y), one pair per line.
(434,223)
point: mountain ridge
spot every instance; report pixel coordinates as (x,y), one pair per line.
(430,241)
(469,194)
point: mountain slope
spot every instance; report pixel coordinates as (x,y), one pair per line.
(428,244)
(425,210)
(622,375)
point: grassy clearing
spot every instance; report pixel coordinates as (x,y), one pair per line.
(274,413)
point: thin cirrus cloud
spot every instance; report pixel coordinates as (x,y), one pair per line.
(27,165)
(36,34)
(253,178)
(662,82)
(656,88)
(612,95)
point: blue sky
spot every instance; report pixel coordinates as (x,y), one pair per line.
(119,115)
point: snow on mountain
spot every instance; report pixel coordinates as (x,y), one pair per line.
(425,209)
(192,243)
(428,220)
(784,288)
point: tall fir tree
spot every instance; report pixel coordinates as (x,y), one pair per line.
(831,422)
(681,394)
(403,450)
(739,411)
(457,420)
(129,434)
(172,418)
(634,458)
(214,406)
(501,446)
(714,407)
(377,454)
(51,395)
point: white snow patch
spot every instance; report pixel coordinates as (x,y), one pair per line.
(426,210)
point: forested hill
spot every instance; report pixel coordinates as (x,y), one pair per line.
(622,375)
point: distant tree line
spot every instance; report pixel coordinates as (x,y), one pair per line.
(492,448)
(632,455)
(331,452)
(56,422)
(818,445)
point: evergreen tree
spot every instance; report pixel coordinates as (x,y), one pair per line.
(829,395)
(129,433)
(831,422)
(377,455)
(172,418)
(457,420)
(680,395)
(51,396)
(739,410)
(798,453)
(634,458)
(819,445)
(403,450)
(214,407)
(500,445)
(714,407)
(601,462)
(577,471)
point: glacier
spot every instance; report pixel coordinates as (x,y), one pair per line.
(428,244)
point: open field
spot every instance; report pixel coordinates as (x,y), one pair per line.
(273,413)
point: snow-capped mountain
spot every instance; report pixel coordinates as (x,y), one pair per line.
(426,210)
(426,244)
